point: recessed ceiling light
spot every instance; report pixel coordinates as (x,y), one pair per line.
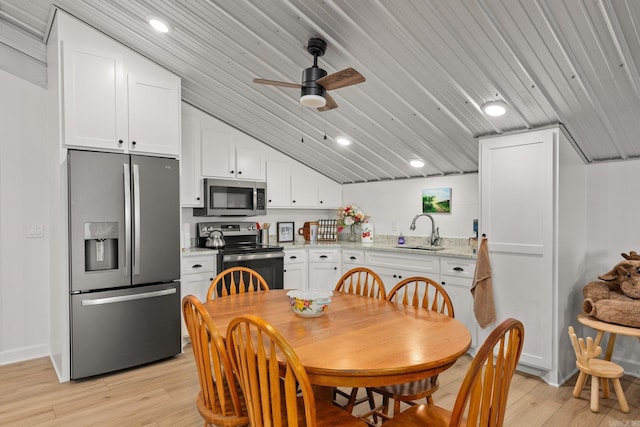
(416,163)
(158,24)
(494,108)
(343,140)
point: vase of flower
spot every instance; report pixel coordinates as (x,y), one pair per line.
(354,232)
(352,217)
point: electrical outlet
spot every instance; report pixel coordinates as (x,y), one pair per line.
(35,230)
(394,225)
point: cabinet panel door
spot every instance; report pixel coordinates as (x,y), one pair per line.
(191,186)
(218,155)
(329,194)
(459,290)
(304,191)
(94,97)
(278,185)
(250,163)
(323,275)
(154,114)
(517,215)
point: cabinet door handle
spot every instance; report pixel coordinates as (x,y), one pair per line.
(239,172)
(269,200)
(120,141)
(458,269)
(211,279)
(197,198)
(294,201)
(443,283)
(196,266)
(285,270)
(335,268)
(321,202)
(323,256)
(353,258)
(133,143)
(231,171)
(293,257)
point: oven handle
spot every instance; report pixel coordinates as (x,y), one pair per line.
(252,257)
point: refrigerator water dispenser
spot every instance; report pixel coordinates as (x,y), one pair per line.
(100,246)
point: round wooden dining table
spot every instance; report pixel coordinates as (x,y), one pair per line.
(359,341)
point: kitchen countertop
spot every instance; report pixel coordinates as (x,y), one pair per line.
(450,248)
(459,251)
(187,252)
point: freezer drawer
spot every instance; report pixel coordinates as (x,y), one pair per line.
(119,329)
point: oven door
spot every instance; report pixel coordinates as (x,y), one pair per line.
(270,265)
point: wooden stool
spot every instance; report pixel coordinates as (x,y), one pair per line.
(588,364)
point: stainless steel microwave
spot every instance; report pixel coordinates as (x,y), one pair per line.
(223,197)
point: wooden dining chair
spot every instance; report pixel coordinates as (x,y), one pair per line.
(275,384)
(482,397)
(364,282)
(424,293)
(219,401)
(600,370)
(236,280)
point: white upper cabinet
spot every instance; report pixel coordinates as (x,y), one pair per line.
(112,98)
(154,108)
(292,185)
(230,156)
(191,186)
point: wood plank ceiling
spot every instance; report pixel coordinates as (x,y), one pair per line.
(429,66)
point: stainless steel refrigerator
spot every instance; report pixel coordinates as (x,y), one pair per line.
(124,240)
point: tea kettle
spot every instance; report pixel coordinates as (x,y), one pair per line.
(215,241)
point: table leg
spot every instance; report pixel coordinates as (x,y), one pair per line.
(610,344)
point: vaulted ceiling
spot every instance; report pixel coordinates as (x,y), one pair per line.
(429,66)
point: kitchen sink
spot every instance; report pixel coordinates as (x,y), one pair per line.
(423,248)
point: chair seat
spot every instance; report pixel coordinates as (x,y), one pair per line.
(421,415)
(217,418)
(330,415)
(602,368)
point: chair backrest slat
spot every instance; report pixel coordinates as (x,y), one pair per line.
(482,398)
(424,293)
(361,281)
(219,397)
(270,374)
(236,280)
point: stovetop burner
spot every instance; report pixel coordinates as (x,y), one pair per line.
(240,237)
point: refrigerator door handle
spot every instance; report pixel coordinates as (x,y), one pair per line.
(136,219)
(132,297)
(127,218)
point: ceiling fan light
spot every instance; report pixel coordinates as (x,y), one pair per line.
(313,101)
(494,108)
(416,163)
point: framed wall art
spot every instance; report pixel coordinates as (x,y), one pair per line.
(436,200)
(285,231)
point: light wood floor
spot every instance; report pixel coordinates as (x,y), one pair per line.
(163,394)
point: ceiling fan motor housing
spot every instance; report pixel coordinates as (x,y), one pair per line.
(309,85)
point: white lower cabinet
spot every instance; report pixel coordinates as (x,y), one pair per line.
(295,268)
(352,258)
(393,267)
(197,273)
(324,268)
(456,276)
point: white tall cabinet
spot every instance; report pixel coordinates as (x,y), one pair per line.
(101,96)
(532,210)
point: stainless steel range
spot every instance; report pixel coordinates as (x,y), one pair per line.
(242,247)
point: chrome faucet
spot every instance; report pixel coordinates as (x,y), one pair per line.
(435,232)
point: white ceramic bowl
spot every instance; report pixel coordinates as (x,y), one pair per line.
(309,302)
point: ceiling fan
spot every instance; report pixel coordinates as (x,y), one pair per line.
(316,82)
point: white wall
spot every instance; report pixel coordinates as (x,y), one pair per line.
(613,224)
(396,202)
(24,262)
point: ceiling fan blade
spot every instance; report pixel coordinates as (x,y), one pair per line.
(330,105)
(346,77)
(276,83)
